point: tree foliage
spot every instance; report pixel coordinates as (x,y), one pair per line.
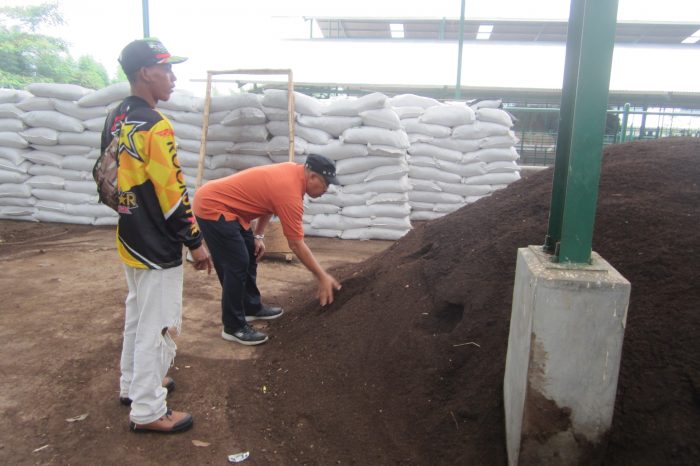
(26,56)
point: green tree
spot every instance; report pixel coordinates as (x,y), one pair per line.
(27,57)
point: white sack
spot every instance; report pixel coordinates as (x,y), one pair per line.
(414,125)
(408,112)
(45,182)
(461,145)
(95,124)
(10,111)
(373,233)
(463,170)
(14,140)
(85,187)
(18,201)
(7,176)
(182,101)
(494,115)
(353,107)
(77,162)
(73,175)
(448,115)
(369,135)
(445,198)
(433,174)
(187,131)
(362,164)
(304,104)
(311,135)
(420,149)
(47,136)
(58,90)
(479,129)
(382,118)
(53,119)
(11,124)
(58,217)
(337,150)
(333,125)
(382,150)
(238,162)
(91,139)
(244,116)
(107,95)
(71,108)
(58,195)
(60,149)
(235,101)
(489,142)
(21,167)
(377,210)
(15,190)
(33,104)
(465,190)
(383,186)
(44,158)
(411,100)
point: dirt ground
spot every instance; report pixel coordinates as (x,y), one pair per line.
(62,290)
(405,367)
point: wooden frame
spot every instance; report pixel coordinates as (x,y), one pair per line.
(275,242)
(207,108)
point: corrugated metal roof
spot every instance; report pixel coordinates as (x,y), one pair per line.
(503,30)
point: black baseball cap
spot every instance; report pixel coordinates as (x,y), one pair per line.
(145,52)
(323,166)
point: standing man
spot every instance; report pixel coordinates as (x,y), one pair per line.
(155,220)
(225,208)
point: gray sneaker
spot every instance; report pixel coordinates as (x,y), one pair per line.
(265,313)
(245,336)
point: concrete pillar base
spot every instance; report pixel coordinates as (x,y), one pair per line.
(564,348)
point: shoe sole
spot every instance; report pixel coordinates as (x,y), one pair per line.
(175,430)
(228,337)
(253,318)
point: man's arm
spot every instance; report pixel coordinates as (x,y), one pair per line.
(326,283)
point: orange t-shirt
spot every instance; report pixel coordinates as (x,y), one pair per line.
(270,189)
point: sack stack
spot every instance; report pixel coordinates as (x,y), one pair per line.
(398,159)
(458,153)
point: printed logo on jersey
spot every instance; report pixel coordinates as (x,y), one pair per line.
(127,201)
(126,141)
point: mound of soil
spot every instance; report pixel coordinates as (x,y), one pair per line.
(407,365)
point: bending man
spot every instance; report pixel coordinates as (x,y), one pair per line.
(225,208)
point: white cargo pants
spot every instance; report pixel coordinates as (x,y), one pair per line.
(153,305)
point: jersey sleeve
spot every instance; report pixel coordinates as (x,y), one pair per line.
(164,171)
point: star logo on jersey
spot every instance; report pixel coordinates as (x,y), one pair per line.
(126,142)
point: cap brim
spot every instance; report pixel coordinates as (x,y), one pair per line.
(175,60)
(332,180)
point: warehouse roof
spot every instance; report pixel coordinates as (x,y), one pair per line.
(438,29)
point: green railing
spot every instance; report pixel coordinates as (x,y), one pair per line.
(536,128)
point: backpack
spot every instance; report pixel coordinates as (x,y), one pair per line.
(105,172)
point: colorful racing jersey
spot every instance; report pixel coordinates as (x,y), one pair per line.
(155,216)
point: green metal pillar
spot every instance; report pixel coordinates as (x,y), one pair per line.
(625,122)
(146,21)
(458,87)
(566,115)
(577,189)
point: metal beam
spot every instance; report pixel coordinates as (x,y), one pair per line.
(596,29)
(146,21)
(458,87)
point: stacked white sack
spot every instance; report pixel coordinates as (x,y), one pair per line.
(64,124)
(458,154)
(365,139)
(16,201)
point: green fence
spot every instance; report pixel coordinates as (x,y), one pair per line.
(536,128)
